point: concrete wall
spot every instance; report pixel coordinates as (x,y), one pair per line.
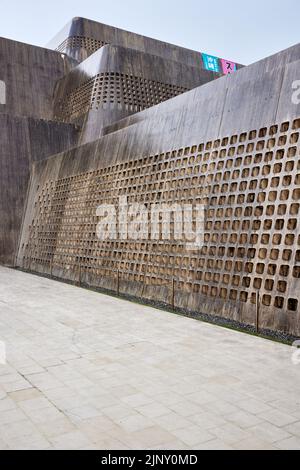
(30,74)
(36,81)
(257,94)
(232,145)
(23,141)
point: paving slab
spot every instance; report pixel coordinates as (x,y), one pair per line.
(89,371)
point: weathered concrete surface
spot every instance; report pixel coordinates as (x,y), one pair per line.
(23,141)
(258,94)
(231,145)
(27,134)
(87,371)
(116,82)
(81,37)
(30,74)
(236,143)
(33,89)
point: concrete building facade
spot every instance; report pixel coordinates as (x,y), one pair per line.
(159,124)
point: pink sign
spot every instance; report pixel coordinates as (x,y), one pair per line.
(228,67)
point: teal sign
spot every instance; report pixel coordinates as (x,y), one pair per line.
(211,63)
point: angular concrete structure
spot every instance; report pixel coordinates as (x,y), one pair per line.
(82,37)
(116,82)
(230,144)
(28,131)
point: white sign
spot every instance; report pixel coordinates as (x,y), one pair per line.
(2,92)
(296,353)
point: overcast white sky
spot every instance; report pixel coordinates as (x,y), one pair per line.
(244,31)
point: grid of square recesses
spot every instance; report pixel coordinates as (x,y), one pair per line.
(112,88)
(250,186)
(81,42)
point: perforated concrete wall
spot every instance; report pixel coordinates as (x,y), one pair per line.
(23,141)
(241,162)
(43,91)
(30,74)
(250,186)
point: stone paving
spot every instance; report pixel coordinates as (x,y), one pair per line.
(88,371)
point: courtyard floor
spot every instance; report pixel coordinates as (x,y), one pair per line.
(88,371)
